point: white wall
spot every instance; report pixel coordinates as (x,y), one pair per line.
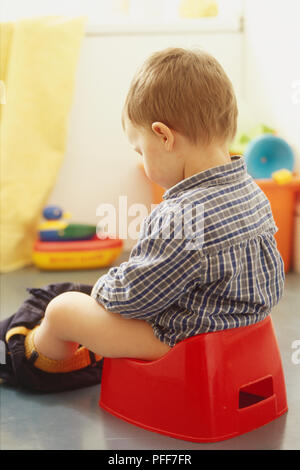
(105,10)
(18,9)
(272,66)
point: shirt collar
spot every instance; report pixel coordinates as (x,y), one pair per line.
(222,174)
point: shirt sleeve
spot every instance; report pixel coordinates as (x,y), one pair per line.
(158,271)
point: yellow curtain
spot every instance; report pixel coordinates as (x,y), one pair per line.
(38,59)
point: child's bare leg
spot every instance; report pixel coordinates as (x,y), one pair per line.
(74,318)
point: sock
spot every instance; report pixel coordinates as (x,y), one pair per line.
(80,359)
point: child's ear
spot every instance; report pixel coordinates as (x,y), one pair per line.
(165,134)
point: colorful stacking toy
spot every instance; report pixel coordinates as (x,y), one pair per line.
(62,245)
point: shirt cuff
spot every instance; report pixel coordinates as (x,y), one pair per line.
(97,286)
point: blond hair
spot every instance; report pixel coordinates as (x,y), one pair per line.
(187,90)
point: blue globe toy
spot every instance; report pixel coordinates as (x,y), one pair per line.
(267,154)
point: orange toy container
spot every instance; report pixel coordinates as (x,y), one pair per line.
(283,204)
(208,388)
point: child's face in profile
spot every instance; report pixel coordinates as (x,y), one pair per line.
(162,164)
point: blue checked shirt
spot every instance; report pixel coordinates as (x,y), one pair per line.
(206,258)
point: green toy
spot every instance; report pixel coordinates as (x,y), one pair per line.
(242,139)
(55,227)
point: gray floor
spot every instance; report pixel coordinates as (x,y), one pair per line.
(73,420)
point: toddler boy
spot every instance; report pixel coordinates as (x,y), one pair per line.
(206,258)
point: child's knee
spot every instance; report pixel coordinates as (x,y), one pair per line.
(59,310)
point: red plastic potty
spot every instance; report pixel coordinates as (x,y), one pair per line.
(209,387)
